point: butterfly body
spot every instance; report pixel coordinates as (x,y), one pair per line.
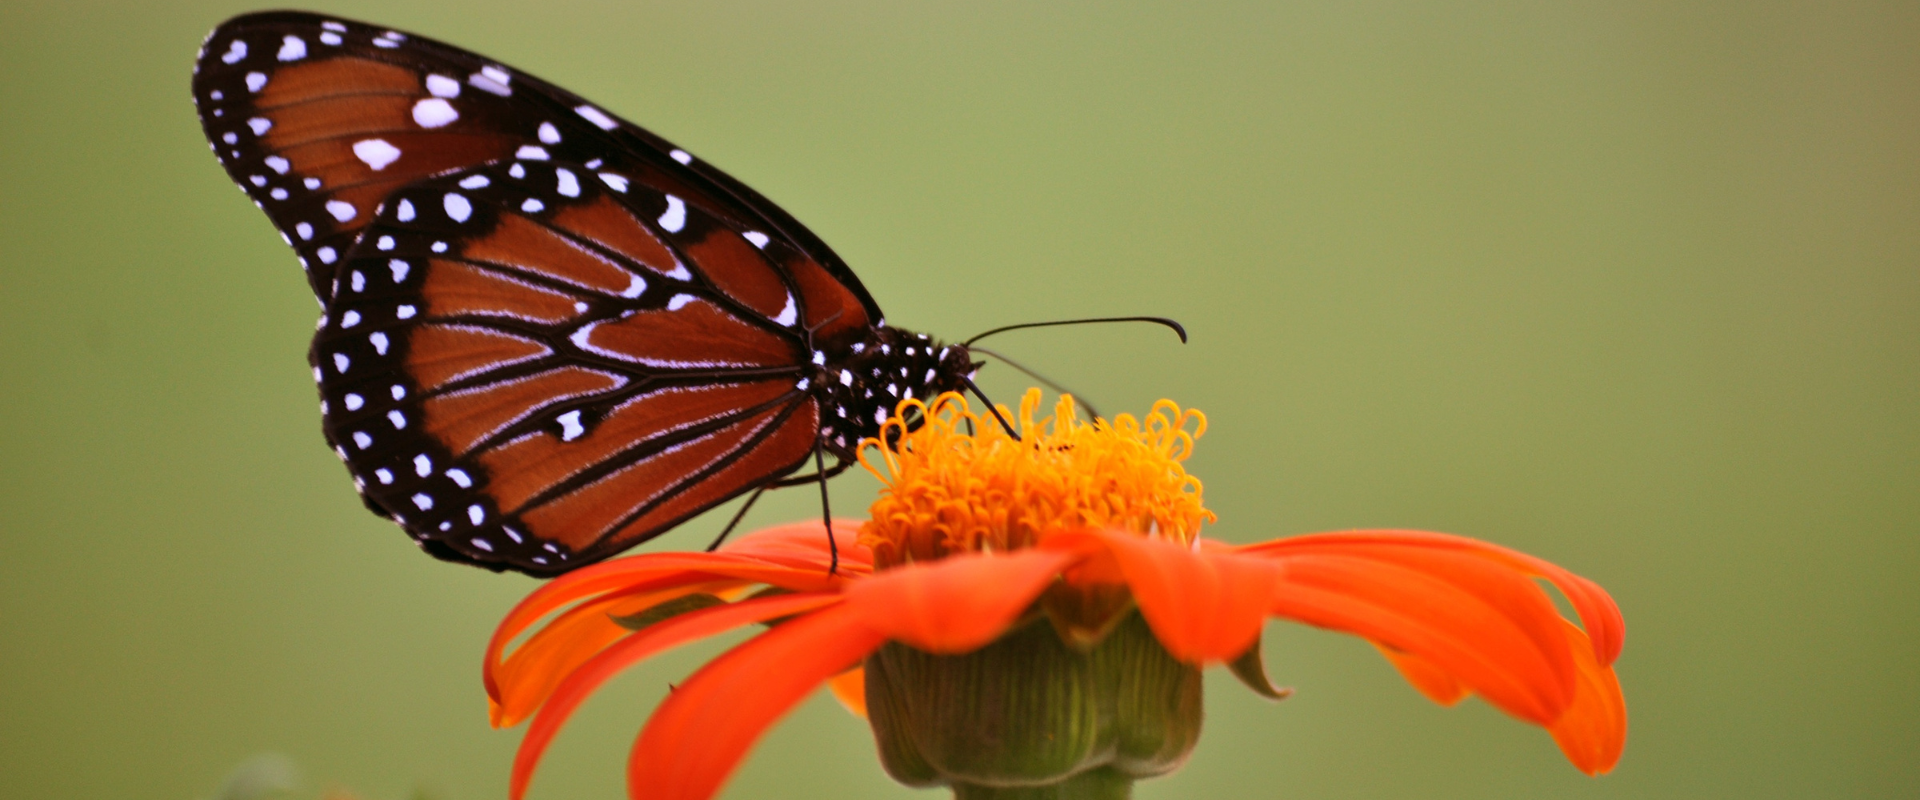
(547,334)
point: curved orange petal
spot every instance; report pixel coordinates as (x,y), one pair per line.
(1432,681)
(804,544)
(1593,732)
(850,688)
(520,682)
(642,573)
(957,604)
(1205,606)
(1596,608)
(1448,625)
(698,735)
(631,650)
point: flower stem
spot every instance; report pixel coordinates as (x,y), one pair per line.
(1098,784)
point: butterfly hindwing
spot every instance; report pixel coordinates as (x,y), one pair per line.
(526,366)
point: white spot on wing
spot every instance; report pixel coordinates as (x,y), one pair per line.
(569,185)
(422,465)
(348,320)
(422,501)
(398,419)
(681,156)
(675,217)
(531,152)
(532,205)
(404,312)
(384,243)
(617,183)
(292,49)
(341,210)
(399,268)
(460,478)
(327,256)
(442,86)
(255,80)
(788,314)
(457,207)
(405,211)
(376,153)
(549,134)
(758,239)
(385,475)
(570,428)
(491,80)
(305,230)
(260,125)
(236,50)
(635,288)
(597,117)
(354,401)
(330,38)
(434,112)
(362,440)
(475,514)
(679,301)
(379,341)
(278,164)
(475,182)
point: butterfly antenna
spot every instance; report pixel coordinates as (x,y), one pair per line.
(1091,412)
(1155,320)
(1004,424)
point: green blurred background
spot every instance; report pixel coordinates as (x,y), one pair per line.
(1632,286)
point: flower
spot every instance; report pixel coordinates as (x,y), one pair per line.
(1093,527)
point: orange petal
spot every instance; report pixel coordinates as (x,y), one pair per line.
(1484,646)
(1432,681)
(644,573)
(957,604)
(804,544)
(629,651)
(850,688)
(695,739)
(1203,606)
(1596,608)
(1593,732)
(521,681)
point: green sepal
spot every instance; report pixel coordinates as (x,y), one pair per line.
(667,610)
(1252,671)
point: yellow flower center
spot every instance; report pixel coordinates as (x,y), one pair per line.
(959,483)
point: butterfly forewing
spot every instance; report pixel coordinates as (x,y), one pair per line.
(319,119)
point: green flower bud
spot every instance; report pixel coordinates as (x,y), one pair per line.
(1031,717)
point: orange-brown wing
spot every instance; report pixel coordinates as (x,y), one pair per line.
(319,120)
(533,365)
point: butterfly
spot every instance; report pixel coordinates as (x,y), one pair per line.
(547,335)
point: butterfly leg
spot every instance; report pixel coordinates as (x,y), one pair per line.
(739,515)
(826,510)
(779,484)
